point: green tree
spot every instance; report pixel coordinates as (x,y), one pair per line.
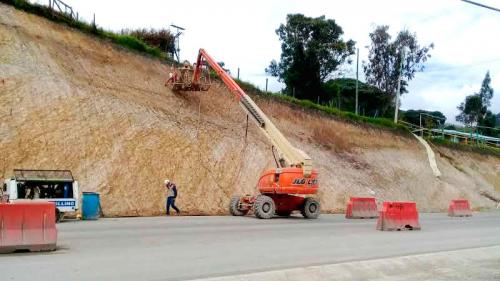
(413,116)
(486,92)
(489,121)
(384,59)
(311,49)
(341,93)
(474,109)
(162,39)
(470,110)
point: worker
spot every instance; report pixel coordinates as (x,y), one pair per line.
(171,195)
(28,192)
(185,72)
(172,76)
(66,190)
(36,192)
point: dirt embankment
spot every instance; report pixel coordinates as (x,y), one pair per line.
(69,101)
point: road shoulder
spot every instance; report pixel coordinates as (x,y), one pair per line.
(481,264)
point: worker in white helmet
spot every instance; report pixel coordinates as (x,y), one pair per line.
(171,195)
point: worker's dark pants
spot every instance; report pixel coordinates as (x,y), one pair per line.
(171,202)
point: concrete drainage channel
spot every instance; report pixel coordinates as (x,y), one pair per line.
(482,264)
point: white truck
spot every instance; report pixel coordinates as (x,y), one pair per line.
(56,186)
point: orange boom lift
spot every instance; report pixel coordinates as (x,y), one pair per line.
(282,190)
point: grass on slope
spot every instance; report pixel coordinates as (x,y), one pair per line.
(127,41)
(133,43)
(482,149)
(381,122)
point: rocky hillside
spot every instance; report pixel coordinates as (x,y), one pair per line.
(70,101)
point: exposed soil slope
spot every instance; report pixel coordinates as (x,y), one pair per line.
(70,101)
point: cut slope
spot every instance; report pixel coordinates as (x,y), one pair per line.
(70,101)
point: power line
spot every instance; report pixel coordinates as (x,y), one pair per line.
(481,5)
(474,64)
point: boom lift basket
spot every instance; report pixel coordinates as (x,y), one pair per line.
(181,78)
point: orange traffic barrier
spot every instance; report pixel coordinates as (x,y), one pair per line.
(27,226)
(361,207)
(459,208)
(398,216)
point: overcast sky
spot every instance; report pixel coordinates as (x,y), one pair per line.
(242,34)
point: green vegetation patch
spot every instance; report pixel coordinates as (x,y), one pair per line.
(380,122)
(127,41)
(481,149)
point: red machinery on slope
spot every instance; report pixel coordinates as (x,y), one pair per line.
(282,189)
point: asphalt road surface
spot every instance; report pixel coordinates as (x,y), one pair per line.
(182,248)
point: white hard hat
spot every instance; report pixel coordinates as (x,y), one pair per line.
(167,181)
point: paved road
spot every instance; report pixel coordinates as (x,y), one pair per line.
(180,248)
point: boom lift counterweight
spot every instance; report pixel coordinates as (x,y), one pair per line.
(281,189)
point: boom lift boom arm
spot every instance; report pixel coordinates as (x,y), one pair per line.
(290,156)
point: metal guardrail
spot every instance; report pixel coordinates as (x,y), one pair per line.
(468,138)
(61,7)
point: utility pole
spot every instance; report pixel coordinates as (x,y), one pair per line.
(357,78)
(266,85)
(399,85)
(238,75)
(177,51)
(421,129)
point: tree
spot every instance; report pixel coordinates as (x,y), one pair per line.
(474,110)
(489,121)
(470,110)
(341,93)
(413,116)
(384,59)
(161,39)
(486,92)
(311,49)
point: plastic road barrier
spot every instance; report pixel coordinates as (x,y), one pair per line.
(361,207)
(27,226)
(459,208)
(398,216)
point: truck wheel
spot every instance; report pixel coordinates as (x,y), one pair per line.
(234,207)
(264,207)
(311,208)
(58,215)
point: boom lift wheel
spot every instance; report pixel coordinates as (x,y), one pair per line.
(234,207)
(311,208)
(264,207)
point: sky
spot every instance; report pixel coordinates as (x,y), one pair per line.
(242,34)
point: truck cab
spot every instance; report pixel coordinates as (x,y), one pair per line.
(56,186)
